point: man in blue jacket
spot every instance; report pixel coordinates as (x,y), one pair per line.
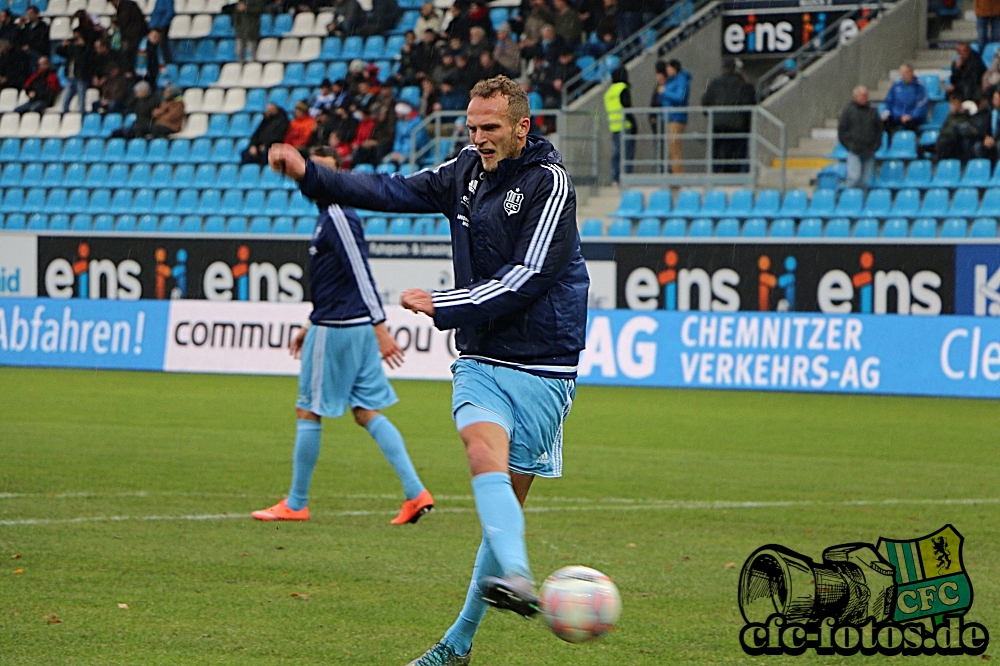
(520,309)
(676,93)
(907,102)
(159,20)
(342,349)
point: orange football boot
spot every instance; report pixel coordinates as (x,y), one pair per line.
(281,511)
(414,508)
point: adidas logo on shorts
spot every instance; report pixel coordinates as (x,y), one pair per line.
(543,459)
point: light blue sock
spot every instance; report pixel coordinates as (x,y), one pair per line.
(307,437)
(503,521)
(394,449)
(460,636)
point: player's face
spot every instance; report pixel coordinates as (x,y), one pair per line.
(491,131)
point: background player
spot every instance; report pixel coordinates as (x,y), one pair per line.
(520,307)
(342,351)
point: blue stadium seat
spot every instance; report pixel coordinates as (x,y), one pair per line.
(125,223)
(83,222)
(232,203)
(204,176)
(423,226)
(822,203)
(728,227)
(223,150)
(170,224)
(225,51)
(648,227)
(622,227)
(947,174)
(75,175)
(187,202)
(935,120)
(935,203)
(79,199)
(990,204)
(755,227)
(984,227)
(200,151)
(965,202)
(34,200)
(387,168)
(282,225)
(907,203)
(700,228)
(53,176)
(239,125)
(260,225)
(112,121)
(376,226)
(72,149)
(782,228)
(256,100)
(903,147)
(16,222)
(592,227)
(407,22)
(314,74)
(114,151)
(142,202)
(227,176)
(249,177)
(331,49)
(282,25)
(11,175)
(688,203)
(849,203)
(498,15)
(933,85)
(103,223)
(52,150)
(180,151)
(277,203)
(838,228)
(400,226)
(878,204)
(163,176)
(121,202)
(810,227)
(977,173)
(56,201)
(215,224)
(218,126)
(352,48)
(236,225)
(13,200)
(38,222)
(299,205)
(838,153)
(165,203)
(890,175)
(714,205)
(924,228)
(91,125)
(118,175)
(768,203)
(374,48)
(740,203)
(675,227)
(295,74)
(100,200)
(443,227)
(883,152)
(33,173)
(928,138)
(10,150)
(208,76)
(139,176)
(147,223)
(222,26)
(205,51)
(31,150)
(659,204)
(191,224)
(188,76)
(896,227)
(954,227)
(394,46)
(631,204)
(59,222)
(253,204)
(305,225)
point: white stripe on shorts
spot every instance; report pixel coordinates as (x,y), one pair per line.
(318,358)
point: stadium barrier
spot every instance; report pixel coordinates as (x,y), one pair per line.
(934,356)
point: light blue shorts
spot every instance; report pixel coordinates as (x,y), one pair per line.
(530,408)
(341,367)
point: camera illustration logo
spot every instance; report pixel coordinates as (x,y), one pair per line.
(897,597)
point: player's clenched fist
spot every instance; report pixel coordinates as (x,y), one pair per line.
(287,160)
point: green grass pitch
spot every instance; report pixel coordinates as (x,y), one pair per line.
(103,473)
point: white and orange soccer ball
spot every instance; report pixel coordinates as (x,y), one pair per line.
(580,604)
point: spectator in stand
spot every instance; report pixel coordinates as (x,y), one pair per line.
(907,102)
(466,74)
(537,18)
(114,90)
(622,124)
(991,78)
(341,148)
(567,23)
(131,23)
(168,117)
(8,28)
(323,100)
(988,145)
(860,131)
(371,149)
(246,24)
(272,129)
(456,21)
(424,55)
(428,97)
(101,60)
(383,18)
(142,104)
(429,19)
(91,32)
(966,72)
(451,98)
(147,64)
(42,87)
(629,18)
(506,52)
(348,18)
(15,66)
(159,20)
(987,22)
(33,34)
(556,76)
(406,70)
(656,99)
(343,124)
(730,89)
(478,42)
(300,128)
(590,13)
(76,68)
(608,23)
(957,136)
(488,67)
(445,68)
(479,15)
(407,120)
(676,93)
(549,47)
(651,9)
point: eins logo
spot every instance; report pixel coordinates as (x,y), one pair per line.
(252,281)
(88,277)
(867,290)
(683,289)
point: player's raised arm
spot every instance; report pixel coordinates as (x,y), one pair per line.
(545,246)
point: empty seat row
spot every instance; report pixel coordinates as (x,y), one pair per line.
(34,124)
(165,201)
(896,174)
(144,175)
(404,226)
(230,75)
(902,146)
(787,228)
(908,202)
(77,149)
(92,7)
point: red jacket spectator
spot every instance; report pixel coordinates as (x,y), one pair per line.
(301,127)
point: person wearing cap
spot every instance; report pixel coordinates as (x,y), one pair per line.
(301,127)
(617,98)
(676,93)
(729,153)
(168,117)
(143,104)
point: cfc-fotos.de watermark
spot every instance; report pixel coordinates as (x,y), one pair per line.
(904,597)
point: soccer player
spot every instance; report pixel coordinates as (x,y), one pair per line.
(520,307)
(342,349)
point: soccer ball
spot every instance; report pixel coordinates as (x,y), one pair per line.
(580,604)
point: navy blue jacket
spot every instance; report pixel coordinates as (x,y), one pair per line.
(521,283)
(343,290)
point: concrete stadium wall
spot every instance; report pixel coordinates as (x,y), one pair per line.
(824,89)
(700,52)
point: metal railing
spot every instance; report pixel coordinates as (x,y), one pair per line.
(678,15)
(836,35)
(574,134)
(719,145)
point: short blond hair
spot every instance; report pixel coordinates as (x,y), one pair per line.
(517,100)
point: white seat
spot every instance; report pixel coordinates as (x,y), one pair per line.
(60,28)
(181,7)
(229,76)
(99,7)
(70,126)
(49,125)
(201,26)
(267,49)
(309,49)
(303,25)
(323,19)
(213,101)
(195,125)
(252,75)
(9,124)
(29,124)
(93,94)
(105,21)
(197,7)
(274,74)
(288,51)
(56,8)
(215,6)
(8,99)
(73,6)
(236,99)
(180,27)
(193,99)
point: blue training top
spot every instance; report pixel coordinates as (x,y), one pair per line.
(343,290)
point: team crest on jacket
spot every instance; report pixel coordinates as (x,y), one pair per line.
(512,204)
